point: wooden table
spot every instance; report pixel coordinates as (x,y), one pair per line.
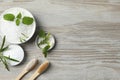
(87,36)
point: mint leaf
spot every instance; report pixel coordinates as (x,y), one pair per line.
(27,20)
(19,16)
(45,50)
(9,17)
(42,33)
(18,22)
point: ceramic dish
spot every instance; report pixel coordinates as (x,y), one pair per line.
(16,34)
(15,52)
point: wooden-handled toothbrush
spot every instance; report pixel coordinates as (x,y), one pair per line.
(40,70)
(28,68)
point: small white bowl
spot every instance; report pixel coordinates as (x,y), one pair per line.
(15,52)
(51,40)
(14,33)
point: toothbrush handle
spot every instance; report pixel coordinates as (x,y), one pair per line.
(34,76)
(21,75)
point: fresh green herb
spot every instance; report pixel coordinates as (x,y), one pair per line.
(18,19)
(3,43)
(9,17)
(24,35)
(18,22)
(11,59)
(27,20)
(45,50)
(41,33)
(19,16)
(45,41)
(22,39)
(4,49)
(3,58)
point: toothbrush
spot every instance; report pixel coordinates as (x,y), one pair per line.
(40,70)
(28,68)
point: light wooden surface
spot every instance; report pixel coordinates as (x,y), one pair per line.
(87,39)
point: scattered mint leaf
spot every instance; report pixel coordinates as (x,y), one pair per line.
(45,50)
(27,20)
(19,16)
(18,22)
(9,17)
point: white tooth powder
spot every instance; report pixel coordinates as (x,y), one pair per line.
(13,32)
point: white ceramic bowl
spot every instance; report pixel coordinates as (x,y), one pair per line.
(13,32)
(15,52)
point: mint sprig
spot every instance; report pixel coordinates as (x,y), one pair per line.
(3,58)
(45,41)
(18,19)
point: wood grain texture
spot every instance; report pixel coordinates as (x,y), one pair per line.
(87,39)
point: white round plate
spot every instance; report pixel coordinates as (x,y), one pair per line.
(15,52)
(16,34)
(51,40)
